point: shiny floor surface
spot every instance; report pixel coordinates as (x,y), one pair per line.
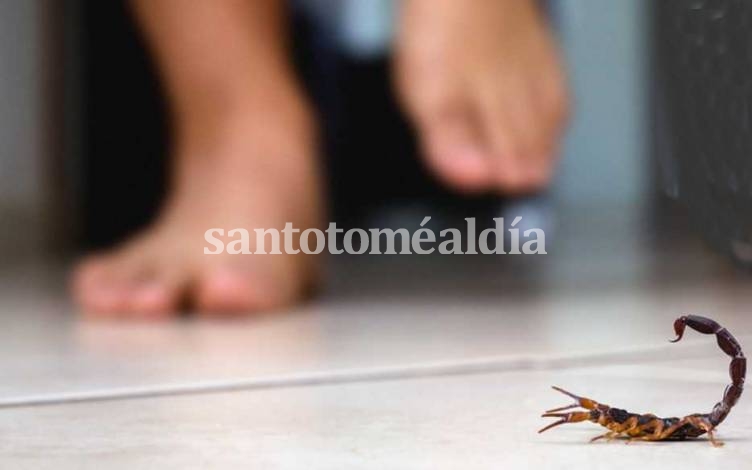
(424,363)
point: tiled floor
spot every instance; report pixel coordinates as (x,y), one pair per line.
(479,421)
(386,370)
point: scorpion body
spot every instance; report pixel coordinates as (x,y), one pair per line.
(649,427)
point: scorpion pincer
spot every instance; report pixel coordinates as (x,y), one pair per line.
(648,427)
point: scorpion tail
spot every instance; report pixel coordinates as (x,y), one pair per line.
(729,345)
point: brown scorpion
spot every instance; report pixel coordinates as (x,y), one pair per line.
(648,427)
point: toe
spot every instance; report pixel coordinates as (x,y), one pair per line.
(455,152)
(524,129)
(96,290)
(107,300)
(89,272)
(121,286)
(234,292)
(521,159)
(153,299)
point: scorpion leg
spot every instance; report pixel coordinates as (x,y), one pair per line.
(662,433)
(713,440)
(618,428)
(707,427)
(608,436)
(656,424)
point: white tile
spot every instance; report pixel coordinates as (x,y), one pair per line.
(47,350)
(481,421)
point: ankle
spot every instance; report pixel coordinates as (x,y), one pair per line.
(276,138)
(267,101)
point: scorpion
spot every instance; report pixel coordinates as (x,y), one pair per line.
(649,427)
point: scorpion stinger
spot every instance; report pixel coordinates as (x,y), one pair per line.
(649,427)
(737,368)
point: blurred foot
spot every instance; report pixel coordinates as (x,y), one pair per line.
(251,167)
(486,90)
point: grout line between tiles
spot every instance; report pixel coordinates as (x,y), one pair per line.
(377,374)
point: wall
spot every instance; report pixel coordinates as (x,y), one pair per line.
(605,153)
(21,141)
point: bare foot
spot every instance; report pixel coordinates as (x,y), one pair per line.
(244,159)
(485,87)
(258,175)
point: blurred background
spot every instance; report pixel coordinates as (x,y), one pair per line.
(402,361)
(84,133)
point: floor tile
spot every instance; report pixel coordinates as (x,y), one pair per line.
(47,350)
(481,421)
